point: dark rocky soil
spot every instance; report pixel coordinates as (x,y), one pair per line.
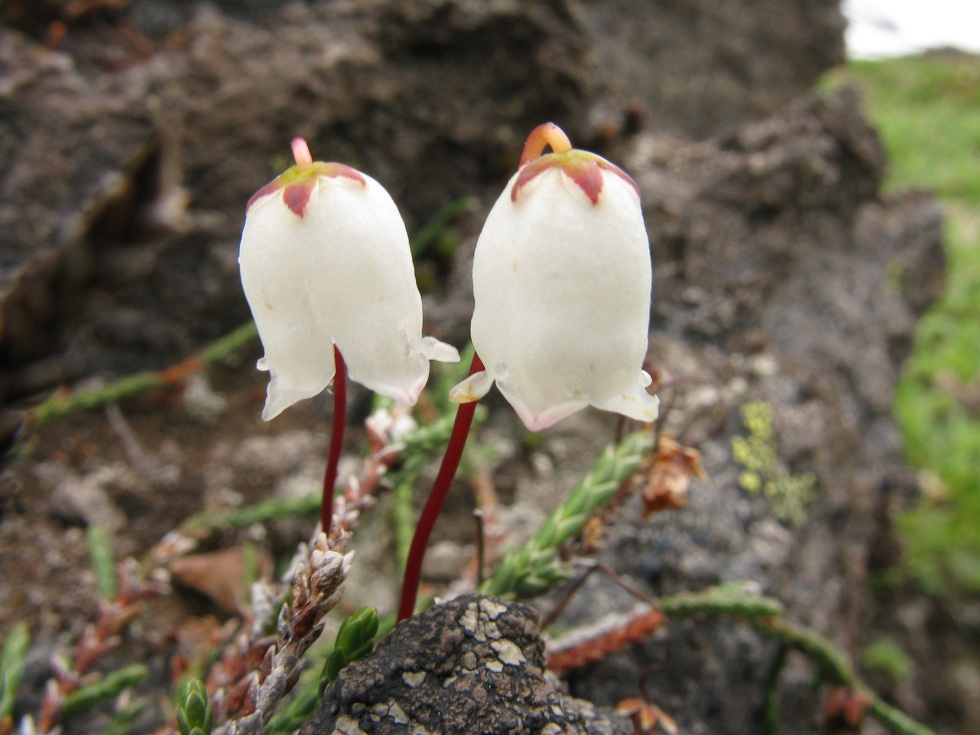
(130,145)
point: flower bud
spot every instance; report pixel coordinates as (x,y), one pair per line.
(562,281)
(325,260)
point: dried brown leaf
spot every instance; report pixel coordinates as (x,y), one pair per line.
(669,479)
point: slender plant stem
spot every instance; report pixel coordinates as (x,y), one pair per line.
(336,439)
(62,403)
(770,707)
(437,497)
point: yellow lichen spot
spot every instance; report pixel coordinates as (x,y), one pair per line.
(750,482)
(764,473)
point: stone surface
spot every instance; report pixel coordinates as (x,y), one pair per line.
(474,664)
(698,67)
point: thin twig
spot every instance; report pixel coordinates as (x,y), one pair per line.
(64,402)
(246,697)
(148,470)
(770,714)
(764,613)
(74,686)
(836,669)
(316,587)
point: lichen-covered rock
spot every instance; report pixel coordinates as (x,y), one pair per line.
(474,664)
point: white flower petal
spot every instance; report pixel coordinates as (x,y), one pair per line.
(341,273)
(537,418)
(638,405)
(433,349)
(562,290)
(298,355)
(473,388)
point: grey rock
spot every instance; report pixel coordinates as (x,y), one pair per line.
(474,664)
(698,67)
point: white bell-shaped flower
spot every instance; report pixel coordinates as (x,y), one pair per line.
(325,260)
(562,282)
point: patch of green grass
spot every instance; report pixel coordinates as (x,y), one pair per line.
(927,111)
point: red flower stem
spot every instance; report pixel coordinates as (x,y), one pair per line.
(437,498)
(336,439)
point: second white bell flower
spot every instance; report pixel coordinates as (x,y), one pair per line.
(325,260)
(562,283)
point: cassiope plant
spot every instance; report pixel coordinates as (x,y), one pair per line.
(562,281)
(327,270)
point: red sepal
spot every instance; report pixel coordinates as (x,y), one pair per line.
(582,167)
(297,183)
(297,196)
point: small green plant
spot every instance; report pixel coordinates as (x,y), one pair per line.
(11,671)
(534,567)
(354,639)
(764,473)
(109,686)
(888,656)
(102,560)
(195,715)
